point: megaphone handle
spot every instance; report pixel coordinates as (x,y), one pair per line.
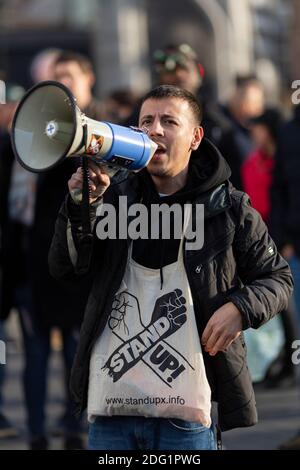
(110,170)
(85,204)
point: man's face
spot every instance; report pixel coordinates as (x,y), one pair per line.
(72,76)
(172,125)
(248,103)
(253,103)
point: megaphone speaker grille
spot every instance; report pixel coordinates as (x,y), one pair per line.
(44,126)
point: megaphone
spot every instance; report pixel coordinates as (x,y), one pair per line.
(48,127)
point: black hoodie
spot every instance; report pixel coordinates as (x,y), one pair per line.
(207,170)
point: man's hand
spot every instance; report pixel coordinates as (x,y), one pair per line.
(99,182)
(223,328)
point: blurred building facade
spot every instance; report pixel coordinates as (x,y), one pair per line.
(231,37)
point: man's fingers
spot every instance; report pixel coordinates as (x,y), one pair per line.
(206,333)
(77,177)
(210,336)
(212,340)
(222,329)
(99,177)
(215,339)
(220,344)
(75,182)
(98,181)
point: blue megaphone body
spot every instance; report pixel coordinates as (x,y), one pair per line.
(48,127)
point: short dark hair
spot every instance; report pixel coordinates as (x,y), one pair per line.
(70,56)
(170,91)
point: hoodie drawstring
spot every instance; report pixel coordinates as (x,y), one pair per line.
(161,265)
(161,277)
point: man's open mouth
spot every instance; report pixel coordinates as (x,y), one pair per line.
(159,151)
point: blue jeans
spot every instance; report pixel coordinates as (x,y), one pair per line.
(138,433)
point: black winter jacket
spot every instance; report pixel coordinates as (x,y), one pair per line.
(238,262)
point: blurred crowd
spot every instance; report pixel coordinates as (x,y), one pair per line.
(262,150)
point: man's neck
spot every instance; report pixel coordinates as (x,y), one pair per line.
(170,184)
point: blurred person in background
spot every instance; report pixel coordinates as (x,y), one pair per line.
(43,304)
(257,170)
(7,430)
(257,177)
(75,71)
(178,64)
(41,67)
(247,102)
(119,106)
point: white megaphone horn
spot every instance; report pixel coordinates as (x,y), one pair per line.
(48,127)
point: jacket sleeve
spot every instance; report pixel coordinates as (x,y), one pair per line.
(73,254)
(266,278)
(70,251)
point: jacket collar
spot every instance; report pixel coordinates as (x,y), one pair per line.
(216,200)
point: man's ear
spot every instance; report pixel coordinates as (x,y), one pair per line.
(198,136)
